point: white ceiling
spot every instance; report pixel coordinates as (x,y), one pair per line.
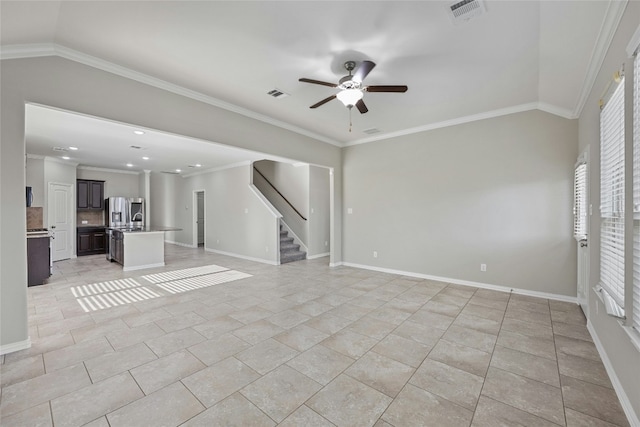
(519,55)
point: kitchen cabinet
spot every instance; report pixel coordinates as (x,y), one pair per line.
(91,240)
(38,260)
(89,194)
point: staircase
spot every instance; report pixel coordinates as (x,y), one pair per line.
(289,251)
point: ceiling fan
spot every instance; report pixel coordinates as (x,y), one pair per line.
(351,87)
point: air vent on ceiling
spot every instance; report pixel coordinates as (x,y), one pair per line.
(170,172)
(277,93)
(462,11)
(371,131)
(60,149)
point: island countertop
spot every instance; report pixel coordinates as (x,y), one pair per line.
(147,229)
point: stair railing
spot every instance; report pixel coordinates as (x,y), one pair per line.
(281,195)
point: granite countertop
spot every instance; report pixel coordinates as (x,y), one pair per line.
(91,226)
(147,229)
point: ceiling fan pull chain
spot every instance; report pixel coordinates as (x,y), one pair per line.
(350,124)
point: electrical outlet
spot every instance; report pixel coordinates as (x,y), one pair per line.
(246,210)
(84,221)
(349,211)
(326,243)
(266,249)
(483,267)
(375,254)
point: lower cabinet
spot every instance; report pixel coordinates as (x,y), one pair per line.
(38,268)
(91,241)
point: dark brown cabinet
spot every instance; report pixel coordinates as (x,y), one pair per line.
(90,194)
(38,268)
(91,241)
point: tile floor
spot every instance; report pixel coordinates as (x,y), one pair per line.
(302,345)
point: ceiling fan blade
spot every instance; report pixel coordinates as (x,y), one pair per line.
(317,82)
(386,88)
(324,101)
(363,69)
(361,107)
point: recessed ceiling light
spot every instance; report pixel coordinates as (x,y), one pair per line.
(138,132)
(66,157)
(129,165)
(198,165)
(178,170)
(73,148)
(145,158)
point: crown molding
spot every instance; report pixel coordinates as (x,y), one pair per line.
(61,161)
(448,123)
(221,168)
(97,169)
(53,49)
(612,18)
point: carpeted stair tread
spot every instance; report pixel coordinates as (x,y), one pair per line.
(289,251)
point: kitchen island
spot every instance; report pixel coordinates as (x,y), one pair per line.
(137,249)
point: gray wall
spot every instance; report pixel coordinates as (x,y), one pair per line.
(35,179)
(64,84)
(291,181)
(440,203)
(623,358)
(319,212)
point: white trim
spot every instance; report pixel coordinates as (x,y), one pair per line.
(319,255)
(53,49)
(612,18)
(186,245)
(468,119)
(231,254)
(221,168)
(632,417)
(96,169)
(634,43)
(15,346)
(492,287)
(142,267)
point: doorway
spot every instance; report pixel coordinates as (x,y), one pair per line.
(198,218)
(60,216)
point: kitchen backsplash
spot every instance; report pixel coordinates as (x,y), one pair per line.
(92,218)
(34,218)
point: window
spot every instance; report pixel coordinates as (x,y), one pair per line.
(580,202)
(612,187)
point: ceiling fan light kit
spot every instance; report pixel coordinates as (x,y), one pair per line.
(351,88)
(349,97)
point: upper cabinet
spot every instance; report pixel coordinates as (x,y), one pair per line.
(90,194)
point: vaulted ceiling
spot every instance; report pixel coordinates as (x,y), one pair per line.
(516,56)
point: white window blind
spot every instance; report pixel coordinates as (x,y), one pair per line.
(580,202)
(636,193)
(612,195)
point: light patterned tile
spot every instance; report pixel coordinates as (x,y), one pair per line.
(348,402)
(235,410)
(280,392)
(228,375)
(171,405)
(417,407)
(159,373)
(320,363)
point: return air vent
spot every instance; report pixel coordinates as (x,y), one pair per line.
(462,11)
(171,172)
(62,149)
(371,131)
(277,93)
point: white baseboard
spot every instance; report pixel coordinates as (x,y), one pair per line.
(15,346)
(142,267)
(632,417)
(464,282)
(248,258)
(318,256)
(186,245)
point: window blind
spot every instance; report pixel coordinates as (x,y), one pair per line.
(580,202)
(636,193)
(612,195)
